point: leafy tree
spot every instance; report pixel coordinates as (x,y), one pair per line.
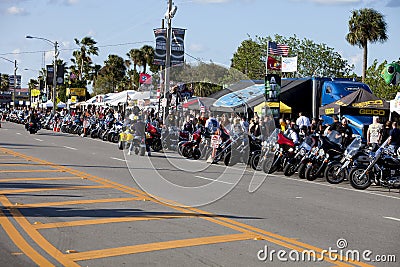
(313,59)
(5,82)
(110,75)
(366,25)
(249,59)
(377,84)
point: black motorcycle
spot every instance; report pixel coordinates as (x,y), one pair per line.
(32,127)
(328,151)
(383,169)
(355,154)
(301,154)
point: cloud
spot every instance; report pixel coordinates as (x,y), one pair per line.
(334,2)
(356,59)
(64,2)
(18,11)
(197,48)
(211,1)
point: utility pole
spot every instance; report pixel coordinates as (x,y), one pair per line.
(55,78)
(15,81)
(167,57)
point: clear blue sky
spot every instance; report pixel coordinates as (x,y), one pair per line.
(215,28)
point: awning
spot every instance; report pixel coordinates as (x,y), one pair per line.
(358,103)
(283,108)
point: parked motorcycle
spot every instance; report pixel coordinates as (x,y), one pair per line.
(283,154)
(293,164)
(190,148)
(328,150)
(383,169)
(337,171)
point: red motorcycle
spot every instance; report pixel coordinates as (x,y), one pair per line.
(283,154)
(153,137)
(190,148)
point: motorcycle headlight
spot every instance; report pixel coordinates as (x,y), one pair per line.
(321,152)
(302,152)
(290,149)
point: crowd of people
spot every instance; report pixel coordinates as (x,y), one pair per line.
(227,124)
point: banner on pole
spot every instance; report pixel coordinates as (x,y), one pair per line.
(272,91)
(177,46)
(289,64)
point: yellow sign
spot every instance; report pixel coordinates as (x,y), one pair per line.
(329,111)
(73,99)
(273,104)
(378,103)
(76,91)
(35,92)
(373,112)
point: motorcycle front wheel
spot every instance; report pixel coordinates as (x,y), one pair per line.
(289,169)
(311,172)
(358,181)
(254,161)
(331,173)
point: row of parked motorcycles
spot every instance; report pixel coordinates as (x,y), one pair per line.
(317,156)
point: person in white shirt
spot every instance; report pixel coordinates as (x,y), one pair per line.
(303,121)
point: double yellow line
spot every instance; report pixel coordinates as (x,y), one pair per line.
(246,232)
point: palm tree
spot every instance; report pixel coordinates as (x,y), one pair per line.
(148,56)
(136,55)
(366,25)
(82,56)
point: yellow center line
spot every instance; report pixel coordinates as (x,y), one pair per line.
(22,164)
(244,228)
(39,179)
(21,243)
(104,221)
(102,253)
(78,202)
(15,191)
(37,237)
(31,171)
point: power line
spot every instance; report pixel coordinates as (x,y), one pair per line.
(72,49)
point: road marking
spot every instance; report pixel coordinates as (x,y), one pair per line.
(39,179)
(117,159)
(32,171)
(21,243)
(37,139)
(232,224)
(18,133)
(392,218)
(333,186)
(102,253)
(104,221)
(299,197)
(72,148)
(15,191)
(78,202)
(210,179)
(37,237)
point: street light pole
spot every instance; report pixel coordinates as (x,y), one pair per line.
(169,15)
(54,68)
(15,78)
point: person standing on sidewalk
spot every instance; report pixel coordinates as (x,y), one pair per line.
(374,133)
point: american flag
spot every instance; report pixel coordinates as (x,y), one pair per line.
(278,49)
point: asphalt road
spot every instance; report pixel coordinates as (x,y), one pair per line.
(72,201)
